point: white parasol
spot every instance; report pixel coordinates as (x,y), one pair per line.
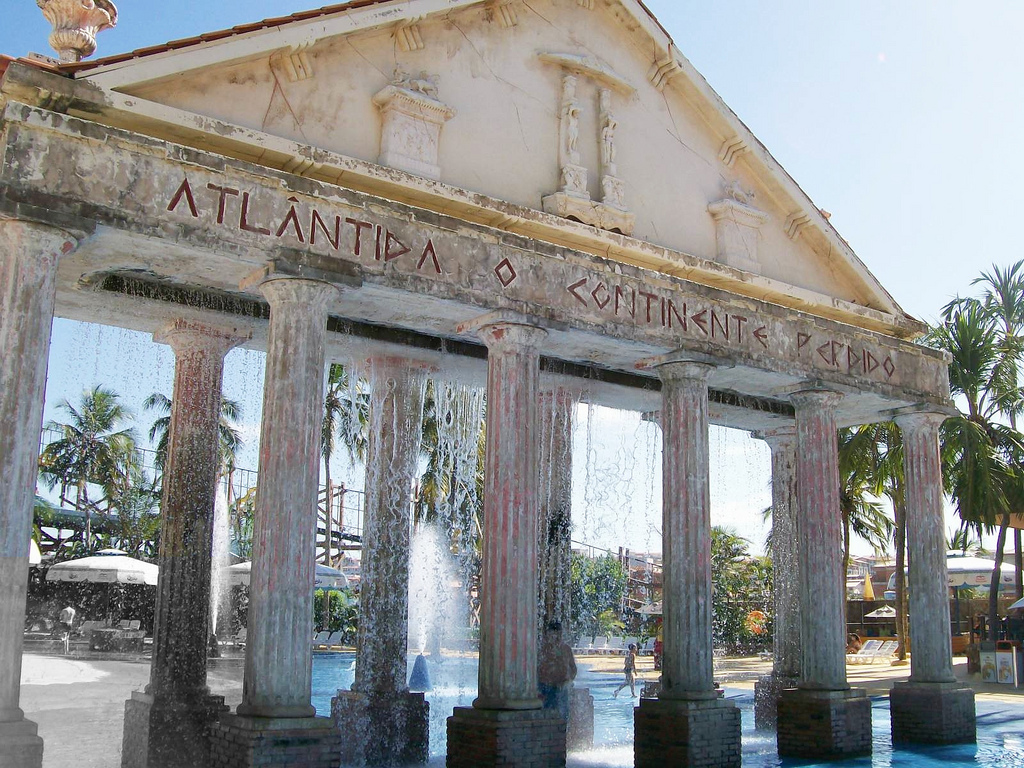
(326,577)
(108,566)
(651,609)
(35,557)
(885,612)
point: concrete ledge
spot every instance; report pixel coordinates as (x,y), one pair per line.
(20,745)
(382,730)
(530,738)
(237,741)
(688,734)
(824,725)
(767,691)
(935,713)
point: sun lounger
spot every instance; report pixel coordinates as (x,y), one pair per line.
(334,640)
(868,653)
(320,640)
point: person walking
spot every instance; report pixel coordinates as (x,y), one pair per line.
(67,624)
(630,670)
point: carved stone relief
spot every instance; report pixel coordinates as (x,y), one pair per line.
(737,225)
(412,118)
(573,197)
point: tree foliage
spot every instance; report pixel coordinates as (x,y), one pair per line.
(598,589)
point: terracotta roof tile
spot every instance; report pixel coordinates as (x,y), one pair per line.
(207,37)
(242,29)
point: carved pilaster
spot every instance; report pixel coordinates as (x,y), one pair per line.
(76,24)
(737,225)
(412,118)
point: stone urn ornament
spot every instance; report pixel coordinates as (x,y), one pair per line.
(76,24)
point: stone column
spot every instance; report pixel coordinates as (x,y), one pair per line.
(932,707)
(554,547)
(786,573)
(168,725)
(28,271)
(688,724)
(276,690)
(506,722)
(383,723)
(824,718)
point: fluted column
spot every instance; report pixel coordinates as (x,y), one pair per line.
(29,254)
(785,553)
(396,415)
(508,581)
(557,408)
(278,654)
(181,631)
(687,671)
(822,581)
(932,657)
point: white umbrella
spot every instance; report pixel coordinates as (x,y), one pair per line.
(975,572)
(651,609)
(35,557)
(885,612)
(326,577)
(108,566)
(1017,605)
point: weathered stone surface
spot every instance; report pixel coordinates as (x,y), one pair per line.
(162,733)
(932,658)
(28,269)
(276,684)
(822,591)
(687,670)
(181,634)
(401,250)
(692,734)
(824,725)
(382,729)
(508,578)
(505,738)
(932,713)
(247,742)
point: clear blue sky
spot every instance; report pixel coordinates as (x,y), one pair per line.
(901,119)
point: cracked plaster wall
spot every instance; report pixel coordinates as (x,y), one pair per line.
(503,140)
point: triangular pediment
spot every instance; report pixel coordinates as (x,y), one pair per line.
(578,110)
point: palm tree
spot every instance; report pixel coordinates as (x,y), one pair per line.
(96,448)
(859,483)
(1004,299)
(346,414)
(981,455)
(230,440)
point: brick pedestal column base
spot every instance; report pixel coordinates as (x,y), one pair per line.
(247,742)
(686,734)
(20,745)
(580,736)
(824,725)
(938,713)
(767,691)
(532,738)
(163,735)
(384,731)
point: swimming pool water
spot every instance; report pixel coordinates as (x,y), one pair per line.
(1000,724)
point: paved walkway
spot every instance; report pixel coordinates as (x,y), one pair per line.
(79,704)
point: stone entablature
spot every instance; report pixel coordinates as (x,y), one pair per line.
(247,214)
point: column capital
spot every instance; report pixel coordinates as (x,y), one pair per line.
(780,437)
(813,397)
(508,337)
(678,371)
(186,335)
(315,294)
(913,420)
(31,236)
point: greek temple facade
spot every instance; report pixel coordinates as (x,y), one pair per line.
(545,196)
